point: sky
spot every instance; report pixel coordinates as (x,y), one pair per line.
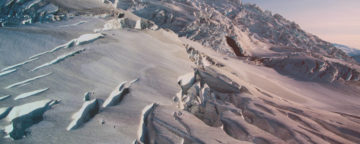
(336,21)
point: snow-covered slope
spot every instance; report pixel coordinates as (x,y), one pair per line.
(348,50)
(223,83)
(233,28)
(353,52)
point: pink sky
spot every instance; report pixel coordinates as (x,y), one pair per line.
(336,21)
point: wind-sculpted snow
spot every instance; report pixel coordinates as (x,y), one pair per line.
(74,24)
(87,38)
(24,116)
(4,97)
(18,65)
(83,39)
(27,81)
(29,94)
(58,59)
(237,29)
(143,133)
(87,96)
(118,93)
(4,111)
(212,23)
(88,110)
(4,73)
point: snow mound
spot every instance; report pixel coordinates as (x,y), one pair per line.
(87,38)
(118,93)
(18,65)
(58,59)
(88,110)
(7,72)
(27,81)
(32,93)
(24,116)
(87,96)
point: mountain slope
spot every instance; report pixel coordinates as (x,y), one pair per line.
(233,28)
(109,76)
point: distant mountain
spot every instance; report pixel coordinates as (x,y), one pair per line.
(348,50)
(353,52)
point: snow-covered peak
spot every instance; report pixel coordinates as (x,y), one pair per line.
(348,50)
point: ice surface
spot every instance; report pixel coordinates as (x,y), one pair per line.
(27,81)
(32,93)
